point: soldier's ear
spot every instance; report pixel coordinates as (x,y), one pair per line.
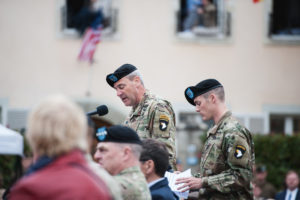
(212,97)
(127,152)
(136,80)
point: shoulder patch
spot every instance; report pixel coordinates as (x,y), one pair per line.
(163,122)
(239,151)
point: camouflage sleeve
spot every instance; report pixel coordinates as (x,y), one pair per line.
(239,159)
(162,128)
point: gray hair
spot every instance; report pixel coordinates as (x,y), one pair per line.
(136,149)
(134,74)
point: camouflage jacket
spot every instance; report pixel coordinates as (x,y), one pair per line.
(133,184)
(227,161)
(154,118)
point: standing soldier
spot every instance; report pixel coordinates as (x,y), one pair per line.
(228,154)
(151,116)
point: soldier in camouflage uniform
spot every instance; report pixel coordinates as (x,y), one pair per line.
(118,151)
(151,116)
(228,154)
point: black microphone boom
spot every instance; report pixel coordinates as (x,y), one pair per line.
(100,110)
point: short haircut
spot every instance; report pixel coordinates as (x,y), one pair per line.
(291,172)
(136,149)
(134,74)
(56,126)
(219,92)
(157,152)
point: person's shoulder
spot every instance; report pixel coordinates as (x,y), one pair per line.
(163,193)
(232,126)
(158,100)
(280,195)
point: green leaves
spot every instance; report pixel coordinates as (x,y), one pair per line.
(279,153)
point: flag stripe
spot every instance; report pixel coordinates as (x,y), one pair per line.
(90,40)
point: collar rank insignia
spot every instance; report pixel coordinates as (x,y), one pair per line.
(101,133)
(239,151)
(163,122)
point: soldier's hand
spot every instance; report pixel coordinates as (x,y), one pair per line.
(189,183)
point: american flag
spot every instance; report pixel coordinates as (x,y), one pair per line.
(90,40)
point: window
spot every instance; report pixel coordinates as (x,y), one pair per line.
(76,15)
(284,124)
(277,124)
(198,19)
(296,124)
(283,20)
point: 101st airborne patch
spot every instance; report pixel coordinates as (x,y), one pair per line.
(239,151)
(163,122)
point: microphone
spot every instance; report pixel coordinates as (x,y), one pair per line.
(100,110)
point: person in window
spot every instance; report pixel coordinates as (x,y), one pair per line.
(208,12)
(193,17)
(89,16)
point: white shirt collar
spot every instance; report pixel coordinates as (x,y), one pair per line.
(293,194)
(153,182)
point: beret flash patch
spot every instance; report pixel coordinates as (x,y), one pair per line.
(101,133)
(163,122)
(190,93)
(239,151)
(113,78)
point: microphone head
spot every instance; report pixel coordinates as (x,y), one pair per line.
(102,110)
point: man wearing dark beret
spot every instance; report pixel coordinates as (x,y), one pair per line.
(151,116)
(118,151)
(228,153)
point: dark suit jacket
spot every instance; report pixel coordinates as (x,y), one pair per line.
(281,195)
(162,191)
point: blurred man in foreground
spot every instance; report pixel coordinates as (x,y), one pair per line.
(57,134)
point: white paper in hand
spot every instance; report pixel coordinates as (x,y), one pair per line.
(172,180)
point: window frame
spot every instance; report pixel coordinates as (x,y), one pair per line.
(107,34)
(275,38)
(225,32)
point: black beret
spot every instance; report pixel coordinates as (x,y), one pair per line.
(261,169)
(204,86)
(121,72)
(118,133)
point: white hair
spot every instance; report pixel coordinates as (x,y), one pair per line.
(56,126)
(134,74)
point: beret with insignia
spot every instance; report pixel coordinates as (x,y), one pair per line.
(204,86)
(260,169)
(119,134)
(121,72)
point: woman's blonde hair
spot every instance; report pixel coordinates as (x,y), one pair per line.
(56,126)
